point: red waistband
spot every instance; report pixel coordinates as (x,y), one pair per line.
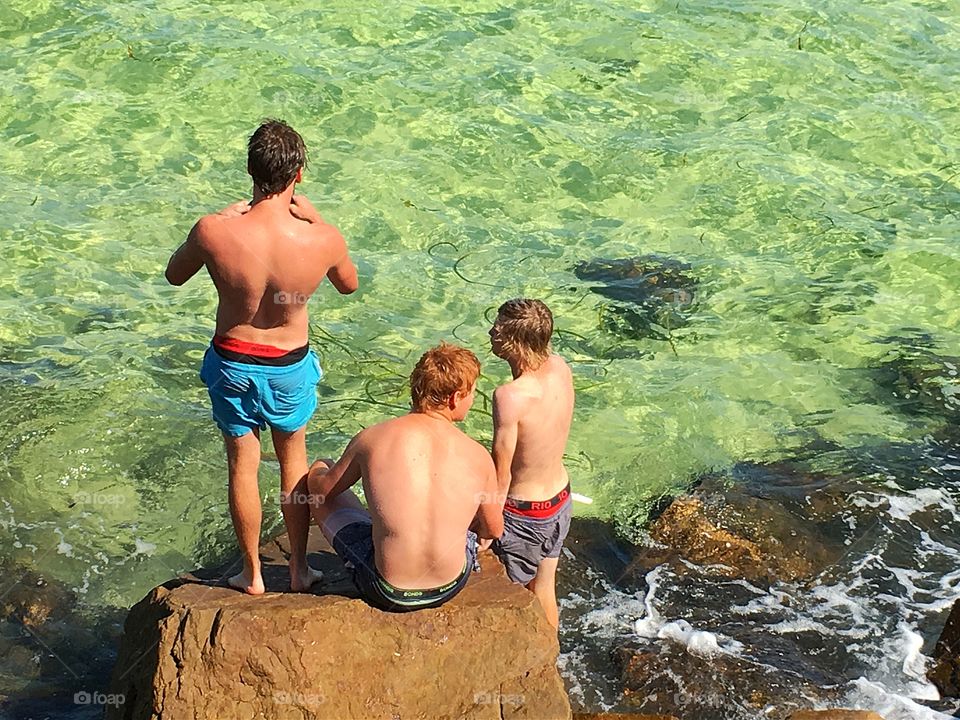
(537,508)
(247,348)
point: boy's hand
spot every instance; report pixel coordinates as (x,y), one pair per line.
(303,209)
(236,210)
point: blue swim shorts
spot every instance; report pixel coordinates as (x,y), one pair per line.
(248,397)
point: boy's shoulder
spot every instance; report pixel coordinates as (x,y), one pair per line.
(210,229)
(510,398)
(559,362)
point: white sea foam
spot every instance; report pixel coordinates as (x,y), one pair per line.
(868,695)
(915,665)
(903,507)
(649,624)
(697,642)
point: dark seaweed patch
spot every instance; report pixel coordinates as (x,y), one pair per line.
(649,296)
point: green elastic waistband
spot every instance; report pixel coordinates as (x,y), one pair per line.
(419,597)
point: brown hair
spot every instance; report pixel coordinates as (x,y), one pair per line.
(442,371)
(275,152)
(524,327)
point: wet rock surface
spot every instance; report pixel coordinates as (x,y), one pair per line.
(944,672)
(835,715)
(784,528)
(195,649)
(768,589)
(648,296)
(621,716)
(708,686)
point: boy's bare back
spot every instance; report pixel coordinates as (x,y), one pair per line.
(424,480)
(537,409)
(266,263)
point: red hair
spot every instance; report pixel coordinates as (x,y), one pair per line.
(442,371)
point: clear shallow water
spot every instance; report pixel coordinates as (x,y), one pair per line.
(469,154)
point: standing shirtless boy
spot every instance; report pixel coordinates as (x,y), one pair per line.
(266,258)
(531,422)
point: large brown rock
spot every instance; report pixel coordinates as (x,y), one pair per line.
(945,670)
(191,650)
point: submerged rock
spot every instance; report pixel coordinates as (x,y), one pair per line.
(49,648)
(193,650)
(708,618)
(738,535)
(650,296)
(919,381)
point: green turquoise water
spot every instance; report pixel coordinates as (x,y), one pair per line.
(801,159)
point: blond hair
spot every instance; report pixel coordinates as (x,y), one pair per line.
(524,329)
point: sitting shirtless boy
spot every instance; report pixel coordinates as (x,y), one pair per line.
(425,483)
(531,422)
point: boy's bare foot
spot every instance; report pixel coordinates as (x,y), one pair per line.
(303,581)
(241,581)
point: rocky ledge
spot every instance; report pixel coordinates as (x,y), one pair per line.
(195,649)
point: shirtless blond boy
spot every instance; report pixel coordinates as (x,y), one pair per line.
(531,422)
(426,483)
(266,258)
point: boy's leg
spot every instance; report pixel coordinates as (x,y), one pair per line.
(322,511)
(544,586)
(243,460)
(291,448)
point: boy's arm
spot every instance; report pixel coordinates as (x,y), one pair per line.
(506,426)
(342,273)
(187,260)
(488,522)
(327,482)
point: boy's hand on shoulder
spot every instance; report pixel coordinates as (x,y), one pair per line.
(303,209)
(241,207)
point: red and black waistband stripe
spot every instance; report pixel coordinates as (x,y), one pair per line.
(537,508)
(250,353)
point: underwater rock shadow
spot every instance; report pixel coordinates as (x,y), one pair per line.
(649,296)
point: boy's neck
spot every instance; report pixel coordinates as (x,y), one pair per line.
(518,367)
(438,413)
(280,199)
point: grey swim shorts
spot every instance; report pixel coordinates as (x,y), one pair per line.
(528,540)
